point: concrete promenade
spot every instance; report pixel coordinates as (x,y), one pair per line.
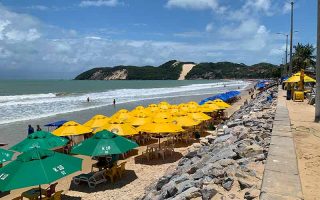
(281,176)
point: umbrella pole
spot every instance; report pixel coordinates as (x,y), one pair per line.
(40,191)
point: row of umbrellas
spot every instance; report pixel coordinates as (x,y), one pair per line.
(37,157)
(146,119)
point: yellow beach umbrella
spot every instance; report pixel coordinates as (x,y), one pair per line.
(71,128)
(199,116)
(208,108)
(97,121)
(221,103)
(164,105)
(160,128)
(122,115)
(162,117)
(296,78)
(138,109)
(152,108)
(119,128)
(183,107)
(140,119)
(185,121)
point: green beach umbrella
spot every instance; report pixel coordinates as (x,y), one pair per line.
(5,155)
(104,143)
(40,139)
(37,167)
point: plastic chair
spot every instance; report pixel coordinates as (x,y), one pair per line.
(112,174)
(121,169)
(147,154)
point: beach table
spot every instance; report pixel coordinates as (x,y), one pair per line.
(33,193)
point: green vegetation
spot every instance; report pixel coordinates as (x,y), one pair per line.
(171,71)
(303,57)
(228,70)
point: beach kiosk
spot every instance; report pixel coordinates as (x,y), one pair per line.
(296,83)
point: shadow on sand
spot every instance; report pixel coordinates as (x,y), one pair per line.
(128,177)
(158,161)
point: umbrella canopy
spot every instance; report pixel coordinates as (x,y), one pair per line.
(199,116)
(138,110)
(140,119)
(71,128)
(5,155)
(97,121)
(122,115)
(40,139)
(56,124)
(104,143)
(221,103)
(209,108)
(37,167)
(160,128)
(185,121)
(296,78)
(119,128)
(162,117)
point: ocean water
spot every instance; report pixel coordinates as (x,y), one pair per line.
(24,100)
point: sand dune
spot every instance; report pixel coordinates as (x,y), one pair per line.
(186,68)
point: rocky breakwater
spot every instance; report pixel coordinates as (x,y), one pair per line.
(227,165)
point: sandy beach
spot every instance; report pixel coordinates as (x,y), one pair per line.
(139,172)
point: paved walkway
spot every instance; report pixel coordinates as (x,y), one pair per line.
(281,176)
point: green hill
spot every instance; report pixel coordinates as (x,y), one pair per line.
(171,71)
(228,70)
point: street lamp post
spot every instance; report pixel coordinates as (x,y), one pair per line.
(291,38)
(317,113)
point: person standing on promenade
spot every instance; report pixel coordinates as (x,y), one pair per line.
(30,129)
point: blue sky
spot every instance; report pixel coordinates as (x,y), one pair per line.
(59,38)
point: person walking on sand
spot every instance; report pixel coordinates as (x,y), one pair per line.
(38,128)
(30,129)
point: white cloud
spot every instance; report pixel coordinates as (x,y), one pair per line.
(209,27)
(98,3)
(286,8)
(26,45)
(259,5)
(194,4)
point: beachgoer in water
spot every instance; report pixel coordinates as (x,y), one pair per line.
(38,128)
(114,102)
(88,99)
(30,129)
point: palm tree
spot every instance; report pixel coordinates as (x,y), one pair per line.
(303,57)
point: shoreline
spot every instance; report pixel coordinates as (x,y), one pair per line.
(12,133)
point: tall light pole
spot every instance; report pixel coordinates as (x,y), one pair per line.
(317,113)
(291,38)
(286,57)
